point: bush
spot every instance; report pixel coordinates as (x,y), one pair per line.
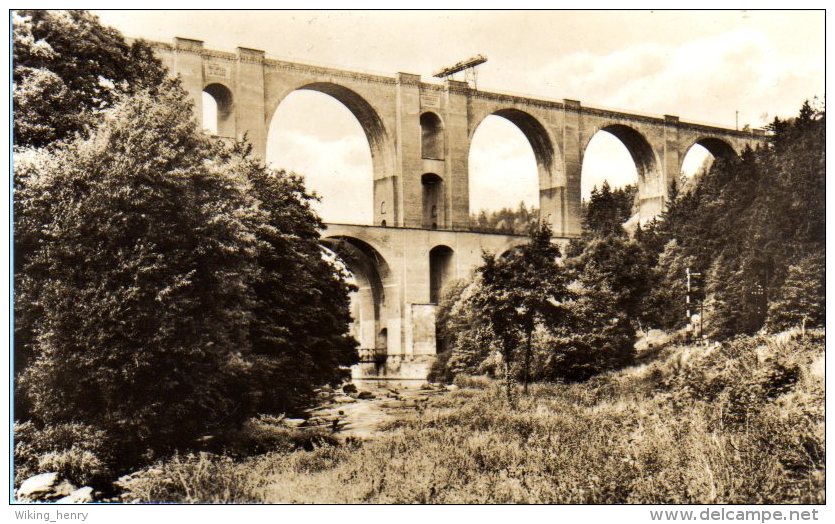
(80,453)
(473,381)
(192,478)
(594,338)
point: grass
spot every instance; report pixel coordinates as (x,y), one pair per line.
(740,423)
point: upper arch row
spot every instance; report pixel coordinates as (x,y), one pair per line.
(544,145)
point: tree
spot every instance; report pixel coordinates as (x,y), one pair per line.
(519,290)
(595,336)
(177,284)
(664,305)
(142,278)
(802,298)
(608,209)
(67,67)
(619,263)
(746,220)
(300,320)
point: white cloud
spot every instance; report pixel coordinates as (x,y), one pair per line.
(704,79)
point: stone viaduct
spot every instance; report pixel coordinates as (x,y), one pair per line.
(419,134)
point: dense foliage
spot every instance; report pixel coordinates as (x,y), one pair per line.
(533,316)
(167,286)
(743,226)
(607,209)
(506,220)
(179,284)
(67,67)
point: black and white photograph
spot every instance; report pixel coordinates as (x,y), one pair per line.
(458,257)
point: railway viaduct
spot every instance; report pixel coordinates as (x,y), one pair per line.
(420,134)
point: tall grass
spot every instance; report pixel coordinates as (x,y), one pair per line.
(740,423)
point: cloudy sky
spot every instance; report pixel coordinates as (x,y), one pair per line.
(700,65)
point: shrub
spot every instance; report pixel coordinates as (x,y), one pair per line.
(192,478)
(80,453)
(472,381)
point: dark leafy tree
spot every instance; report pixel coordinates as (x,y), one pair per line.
(608,209)
(177,284)
(141,280)
(518,291)
(758,214)
(619,263)
(300,319)
(67,67)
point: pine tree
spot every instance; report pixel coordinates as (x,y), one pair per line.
(801,300)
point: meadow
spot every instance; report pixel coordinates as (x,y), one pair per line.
(741,422)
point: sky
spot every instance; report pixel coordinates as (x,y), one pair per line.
(700,65)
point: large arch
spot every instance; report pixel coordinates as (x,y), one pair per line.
(647,166)
(373,275)
(380,143)
(546,154)
(701,153)
(378,136)
(551,179)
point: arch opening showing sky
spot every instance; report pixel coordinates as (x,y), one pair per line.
(502,167)
(315,135)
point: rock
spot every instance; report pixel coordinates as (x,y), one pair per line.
(451,387)
(293,422)
(79,496)
(365,395)
(426,387)
(349,388)
(38,487)
(344,399)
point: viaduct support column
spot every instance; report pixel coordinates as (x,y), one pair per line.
(409,163)
(187,62)
(573,158)
(249,100)
(456,128)
(672,156)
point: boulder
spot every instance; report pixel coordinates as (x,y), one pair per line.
(344,399)
(365,395)
(451,387)
(38,487)
(79,496)
(349,388)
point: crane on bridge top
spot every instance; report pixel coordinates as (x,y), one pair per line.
(469,68)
